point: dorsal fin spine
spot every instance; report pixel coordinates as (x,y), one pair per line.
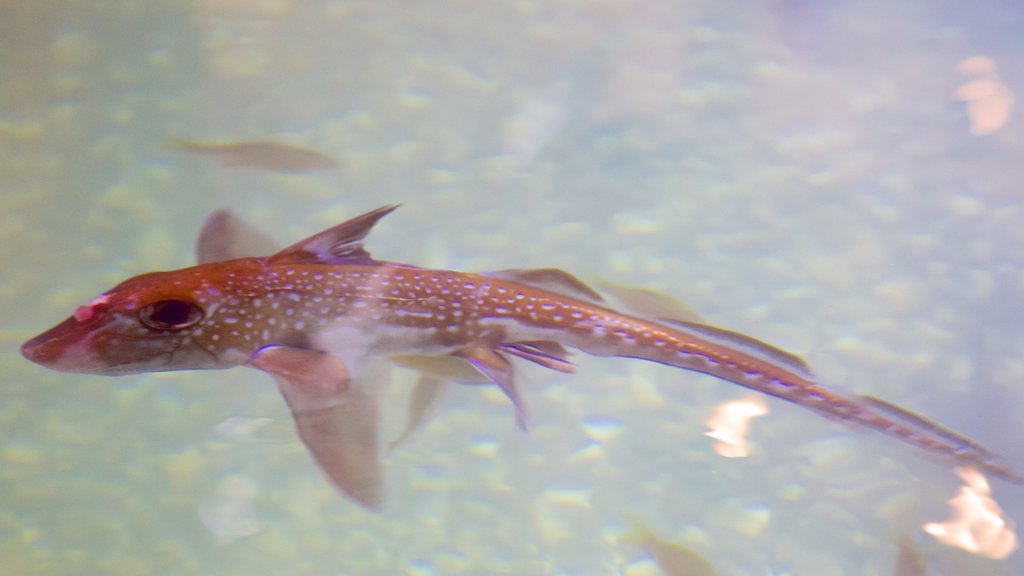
(341,244)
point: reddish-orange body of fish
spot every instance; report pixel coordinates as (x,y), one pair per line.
(312,313)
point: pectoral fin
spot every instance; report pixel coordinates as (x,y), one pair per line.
(499,370)
(335,417)
(315,379)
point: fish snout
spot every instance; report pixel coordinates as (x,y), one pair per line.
(43,349)
(65,347)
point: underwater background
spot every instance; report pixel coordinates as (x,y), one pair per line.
(809,173)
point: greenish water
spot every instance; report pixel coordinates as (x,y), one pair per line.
(797,171)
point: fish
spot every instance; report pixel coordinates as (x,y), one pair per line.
(672,558)
(261,155)
(322,315)
(910,561)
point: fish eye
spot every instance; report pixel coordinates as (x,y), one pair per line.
(171,314)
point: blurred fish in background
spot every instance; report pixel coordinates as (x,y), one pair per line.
(909,559)
(672,558)
(260,155)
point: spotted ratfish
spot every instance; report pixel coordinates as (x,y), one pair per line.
(314,313)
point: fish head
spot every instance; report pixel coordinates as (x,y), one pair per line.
(154,322)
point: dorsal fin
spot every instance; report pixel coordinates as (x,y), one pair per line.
(342,244)
(747,344)
(550,279)
(226,236)
(648,302)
